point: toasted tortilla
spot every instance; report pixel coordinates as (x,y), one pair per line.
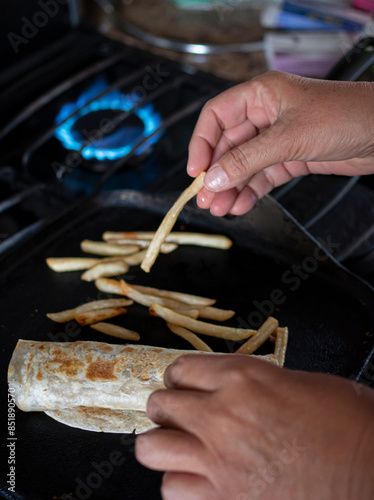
(57,375)
(91,385)
(103,419)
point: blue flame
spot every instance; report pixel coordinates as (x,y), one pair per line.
(111,147)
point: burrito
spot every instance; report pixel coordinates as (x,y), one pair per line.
(91,385)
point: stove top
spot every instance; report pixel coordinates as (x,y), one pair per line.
(106,117)
(96,115)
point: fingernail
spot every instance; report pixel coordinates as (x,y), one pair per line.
(216,178)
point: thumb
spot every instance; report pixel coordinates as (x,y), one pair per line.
(239,164)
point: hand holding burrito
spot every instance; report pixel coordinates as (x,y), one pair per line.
(90,385)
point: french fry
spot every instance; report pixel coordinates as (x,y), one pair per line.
(179,237)
(130,235)
(136,258)
(190,337)
(263,333)
(122,288)
(103,248)
(69,314)
(147,300)
(215,313)
(200,239)
(109,286)
(113,268)
(169,221)
(115,331)
(63,264)
(194,300)
(220,331)
(281,345)
(165,247)
(89,317)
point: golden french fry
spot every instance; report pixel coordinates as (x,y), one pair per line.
(147,300)
(165,247)
(200,239)
(168,247)
(115,331)
(130,235)
(169,221)
(136,258)
(179,237)
(69,314)
(124,241)
(89,317)
(190,337)
(109,286)
(63,264)
(263,333)
(215,313)
(105,269)
(281,345)
(122,288)
(220,331)
(186,298)
(103,248)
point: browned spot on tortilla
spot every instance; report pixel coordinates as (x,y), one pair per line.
(128,349)
(156,349)
(28,367)
(105,347)
(101,369)
(69,366)
(39,376)
(42,347)
(31,357)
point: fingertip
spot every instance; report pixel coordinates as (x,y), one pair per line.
(193,170)
(172,372)
(246,200)
(204,198)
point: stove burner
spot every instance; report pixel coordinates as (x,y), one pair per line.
(85,130)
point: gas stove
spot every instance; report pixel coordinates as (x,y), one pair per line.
(84,113)
(92,115)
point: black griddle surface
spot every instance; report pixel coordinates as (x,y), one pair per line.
(330,331)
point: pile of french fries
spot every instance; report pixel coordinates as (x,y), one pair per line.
(120,250)
(183,313)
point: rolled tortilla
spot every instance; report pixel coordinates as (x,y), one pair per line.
(90,385)
(103,419)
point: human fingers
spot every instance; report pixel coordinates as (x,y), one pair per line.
(222,124)
(242,162)
(182,486)
(170,449)
(264,182)
(172,408)
(207,372)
